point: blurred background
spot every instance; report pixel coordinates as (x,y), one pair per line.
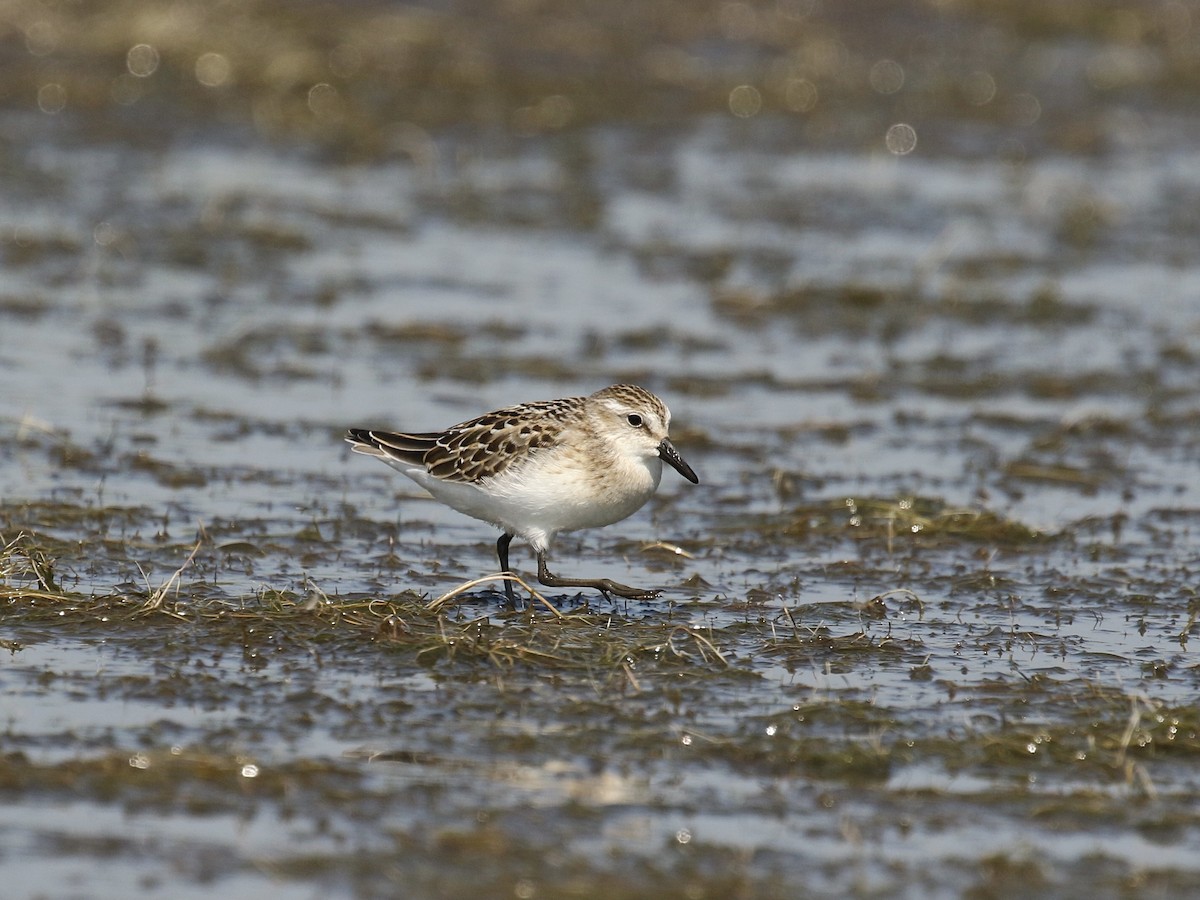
(242,220)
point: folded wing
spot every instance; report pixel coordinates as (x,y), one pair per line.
(471,451)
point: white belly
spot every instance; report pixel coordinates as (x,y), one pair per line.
(539,501)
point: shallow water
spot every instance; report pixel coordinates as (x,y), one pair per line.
(929,634)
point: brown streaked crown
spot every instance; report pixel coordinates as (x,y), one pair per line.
(632,395)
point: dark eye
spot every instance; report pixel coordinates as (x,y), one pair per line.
(634,419)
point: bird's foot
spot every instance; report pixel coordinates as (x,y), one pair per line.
(606,587)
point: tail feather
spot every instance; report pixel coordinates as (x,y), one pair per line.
(390,445)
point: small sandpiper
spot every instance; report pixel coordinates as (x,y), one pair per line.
(537,469)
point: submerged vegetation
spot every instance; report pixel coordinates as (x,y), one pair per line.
(469,633)
(596,711)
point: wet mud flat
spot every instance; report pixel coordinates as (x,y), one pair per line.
(928,619)
(711,744)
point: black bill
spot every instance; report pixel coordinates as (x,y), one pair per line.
(668,454)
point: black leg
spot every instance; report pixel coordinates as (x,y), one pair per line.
(502,553)
(603,585)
